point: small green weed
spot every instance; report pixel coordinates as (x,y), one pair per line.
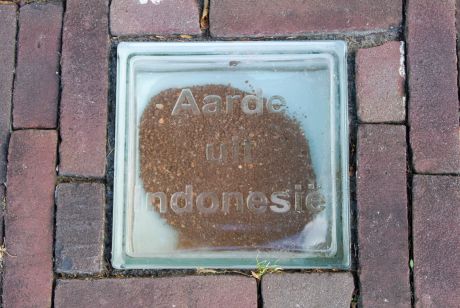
(264,267)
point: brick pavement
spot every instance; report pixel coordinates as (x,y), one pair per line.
(433,112)
(407,151)
(436,225)
(83,112)
(28,275)
(36,87)
(191,291)
(79,245)
(382,207)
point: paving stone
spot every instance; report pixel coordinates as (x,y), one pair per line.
(164,17)
(307,290)
(79,246)
(28,276)
(83,120)
(382,216)
(436,229)
(380,78)
(36,87)
(7,56)
(275,17)
(433,105)
(190,291)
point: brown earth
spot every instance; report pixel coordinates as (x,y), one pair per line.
(173,155)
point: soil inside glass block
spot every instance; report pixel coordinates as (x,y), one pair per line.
(225,168)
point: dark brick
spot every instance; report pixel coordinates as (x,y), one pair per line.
(28,276)
(7,55)
(382,216)
(143,17)
(436,241)
(79,244)
(380,77)
(191,291)
(85,88)
(308,290)
(433,105)
(36,87)
(275,17)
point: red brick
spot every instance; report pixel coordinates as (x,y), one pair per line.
(7,55)
(191,291)
(433,105)
(436,241)
(382,216)
(84,88)
(143,17)
(79,246)
(380,78)
(308,290)
(275,17)
(36,87)
(28,276)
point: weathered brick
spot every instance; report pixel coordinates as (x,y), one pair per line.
(79,244)
(380,77)
(191,291)
(84,88)
(275,17)
(433,105)
(143,17)
(307,290)
(436,229)
(36,87)
(7,55)
(382,216)
(28,276)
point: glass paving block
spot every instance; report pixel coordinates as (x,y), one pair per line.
(231,153)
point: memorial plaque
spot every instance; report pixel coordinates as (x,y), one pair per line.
(231,153)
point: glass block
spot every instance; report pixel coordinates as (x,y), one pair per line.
(228,154)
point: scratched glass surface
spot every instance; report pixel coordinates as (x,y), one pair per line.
(229,154)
